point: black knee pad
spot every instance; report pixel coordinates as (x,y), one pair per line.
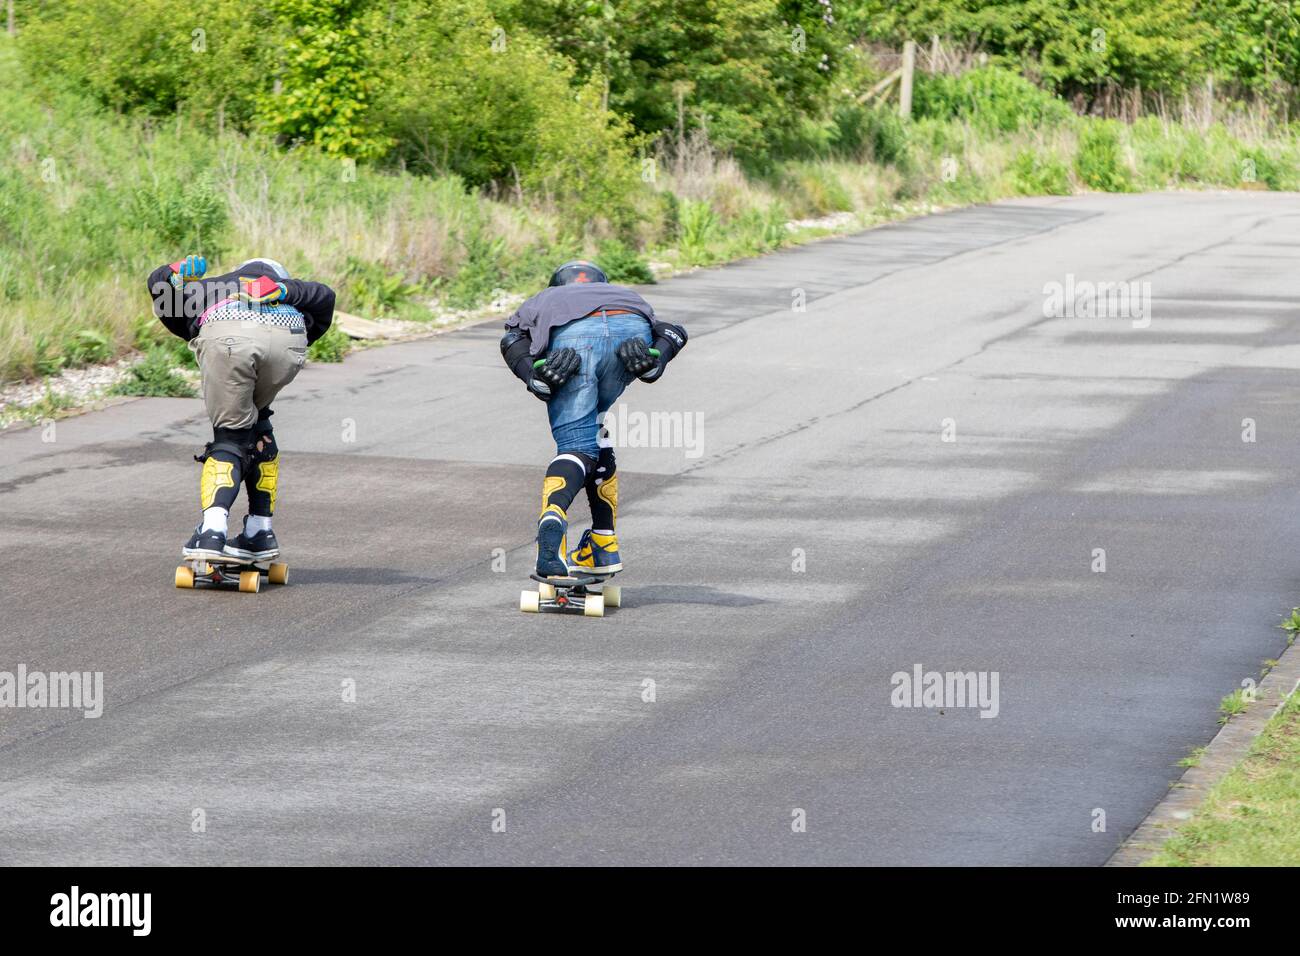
(565,477)
(234,444)
(268,448)
(588,463)
(605,467)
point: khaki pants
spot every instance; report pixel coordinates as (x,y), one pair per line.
(244,366)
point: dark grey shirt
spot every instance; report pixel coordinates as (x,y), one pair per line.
(559,305)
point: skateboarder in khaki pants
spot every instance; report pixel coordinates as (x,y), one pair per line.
(249,330)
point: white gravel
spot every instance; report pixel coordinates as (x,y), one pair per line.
(78,386)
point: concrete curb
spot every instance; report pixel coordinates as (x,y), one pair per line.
(1224,752)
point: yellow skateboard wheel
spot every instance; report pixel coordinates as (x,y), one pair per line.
(249,582)
(277,574)
(184,577)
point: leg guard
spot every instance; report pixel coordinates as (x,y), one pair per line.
(602,491)
(263,475)
(565,477)
(223,461)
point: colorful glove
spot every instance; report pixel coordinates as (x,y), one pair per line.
(260,291)
(188,269)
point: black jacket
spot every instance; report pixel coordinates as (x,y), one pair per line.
(528,331)
(180,309)
(559,305)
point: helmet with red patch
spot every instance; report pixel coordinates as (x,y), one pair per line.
(578,270)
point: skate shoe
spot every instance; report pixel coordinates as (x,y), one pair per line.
(205,544)
(550,544)
(261,546)
(596,554)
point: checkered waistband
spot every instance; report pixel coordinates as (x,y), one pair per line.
(283,316)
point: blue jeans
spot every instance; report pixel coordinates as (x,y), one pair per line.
(600,381)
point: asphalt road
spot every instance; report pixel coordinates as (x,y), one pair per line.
(818,536)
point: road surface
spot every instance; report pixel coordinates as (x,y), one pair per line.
(920,468)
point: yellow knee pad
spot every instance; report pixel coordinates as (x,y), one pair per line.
(607,491)
(216,475)
(550,485)
(268,478)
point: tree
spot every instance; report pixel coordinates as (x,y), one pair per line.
(747,71)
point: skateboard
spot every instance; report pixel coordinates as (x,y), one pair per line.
(585,594)
(219,572)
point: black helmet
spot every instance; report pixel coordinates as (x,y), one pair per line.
(578,270)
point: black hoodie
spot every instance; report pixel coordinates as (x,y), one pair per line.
(180,309)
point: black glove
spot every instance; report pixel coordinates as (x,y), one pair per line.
(669,339)
(636,358)
(549,377)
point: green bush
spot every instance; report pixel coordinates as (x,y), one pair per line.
(699,230)
(87,347)
(154,376)
(330,347)
(1257,164)
(48,358)
(481,274)
(515,116)
(369,290)
(622,263)
(1037,174)
(990,97)
(189,216)
(1100,161)
(1167,156)
(818,188)
(878,133)
(759,230)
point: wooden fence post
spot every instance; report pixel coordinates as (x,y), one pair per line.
(905,86)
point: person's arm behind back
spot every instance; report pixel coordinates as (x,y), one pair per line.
(314,300)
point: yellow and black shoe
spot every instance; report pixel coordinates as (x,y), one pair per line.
(551,528)
(596,553)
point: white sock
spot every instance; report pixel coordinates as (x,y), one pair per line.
(215,519)
(600,531)
(256,524)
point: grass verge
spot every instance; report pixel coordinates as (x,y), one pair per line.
(1252,816)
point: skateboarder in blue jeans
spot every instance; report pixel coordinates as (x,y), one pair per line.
(576,345)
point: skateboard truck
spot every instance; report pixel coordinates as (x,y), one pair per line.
(585,594)
(222,572)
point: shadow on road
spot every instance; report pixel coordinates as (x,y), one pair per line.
(368,574)
(688,594)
